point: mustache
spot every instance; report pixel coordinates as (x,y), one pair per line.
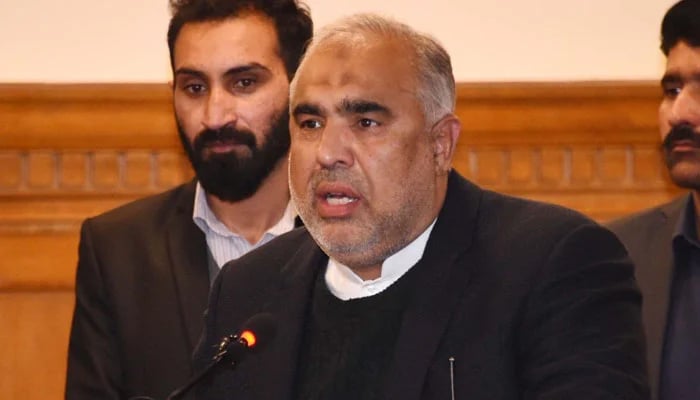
(224,134)
(336,175)
(682,132)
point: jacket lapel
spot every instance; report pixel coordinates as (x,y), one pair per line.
(272,376)
(443,281)
(655,279)
(187,249)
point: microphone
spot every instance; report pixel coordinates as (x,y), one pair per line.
(256,333)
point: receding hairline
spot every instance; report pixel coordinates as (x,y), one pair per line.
(351,34)
(362,28)
(364,44)
(428,60)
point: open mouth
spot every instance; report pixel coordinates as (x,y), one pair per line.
(337,199)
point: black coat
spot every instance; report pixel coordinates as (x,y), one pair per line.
(141,289)
(533,301)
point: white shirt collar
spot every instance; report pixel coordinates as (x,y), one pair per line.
(207,221)
(346,285)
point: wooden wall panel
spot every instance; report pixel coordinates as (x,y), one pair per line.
(71,151)
(34,328)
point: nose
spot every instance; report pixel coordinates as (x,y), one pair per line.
(334,148)
(686,107)
(220,109)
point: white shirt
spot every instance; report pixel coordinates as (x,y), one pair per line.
(226,245)
(346,285)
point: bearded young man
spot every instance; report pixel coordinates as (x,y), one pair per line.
(145,269)
(663,241)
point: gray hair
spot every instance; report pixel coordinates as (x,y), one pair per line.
(434,79)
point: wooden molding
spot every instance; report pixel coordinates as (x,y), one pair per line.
(86,117)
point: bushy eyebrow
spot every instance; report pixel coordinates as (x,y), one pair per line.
(348,106)
(669,79)
(190,72)
(305,108)
(252,67)
(673,78)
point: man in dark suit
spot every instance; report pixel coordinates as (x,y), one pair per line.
(144,269)
(663,241)
(409,282)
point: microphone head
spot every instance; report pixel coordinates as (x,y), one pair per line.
(258,331)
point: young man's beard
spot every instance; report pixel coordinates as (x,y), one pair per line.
(229,176)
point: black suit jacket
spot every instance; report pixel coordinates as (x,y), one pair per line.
(533,302)
(141,289)
(648,237)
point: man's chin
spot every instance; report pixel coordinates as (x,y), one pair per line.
(686,173)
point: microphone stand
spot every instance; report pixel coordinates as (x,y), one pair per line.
(224,347)
(223,351)
(260,329)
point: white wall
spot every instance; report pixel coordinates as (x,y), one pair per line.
(489,40)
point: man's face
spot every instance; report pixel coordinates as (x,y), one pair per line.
(230,97)
(361,163)
(679,115)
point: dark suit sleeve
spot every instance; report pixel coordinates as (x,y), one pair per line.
(581,334)
(94,370)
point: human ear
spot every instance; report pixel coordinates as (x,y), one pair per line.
(445,133)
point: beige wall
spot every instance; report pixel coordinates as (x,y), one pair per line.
(496,40)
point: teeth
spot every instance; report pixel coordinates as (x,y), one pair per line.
(339,200)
